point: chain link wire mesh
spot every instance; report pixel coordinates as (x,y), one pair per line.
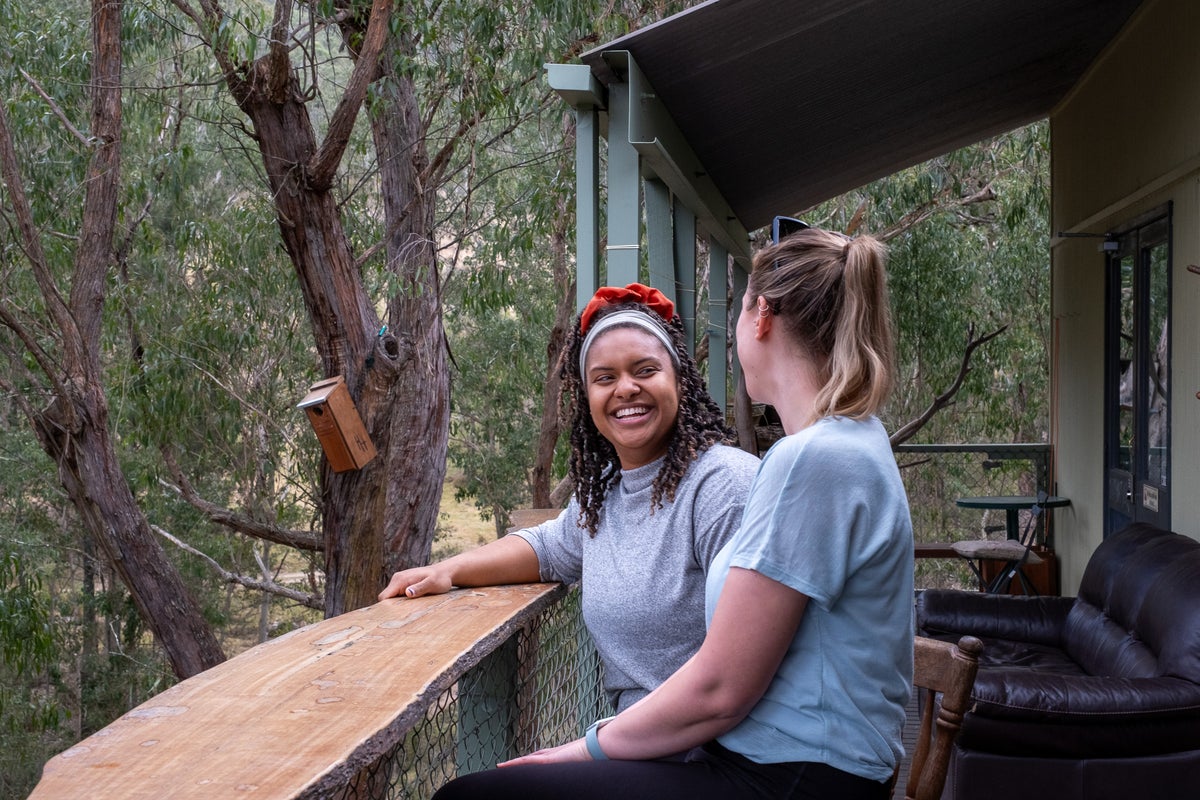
(936,475)
(542,686)
(538,688)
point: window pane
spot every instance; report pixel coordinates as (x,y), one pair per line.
(1125,426)
(1157,437)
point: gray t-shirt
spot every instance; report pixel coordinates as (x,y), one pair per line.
(643,574)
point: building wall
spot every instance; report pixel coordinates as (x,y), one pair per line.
(1125,141)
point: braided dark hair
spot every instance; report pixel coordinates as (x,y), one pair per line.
(595,467)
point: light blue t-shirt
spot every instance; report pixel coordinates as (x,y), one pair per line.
(828,516)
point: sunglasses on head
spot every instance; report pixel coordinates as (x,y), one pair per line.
(785,226)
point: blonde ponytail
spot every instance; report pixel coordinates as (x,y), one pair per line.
(830,293)
(861,362)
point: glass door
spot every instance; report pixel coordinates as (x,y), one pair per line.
(1138,376)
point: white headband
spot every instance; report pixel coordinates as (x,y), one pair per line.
(628,316)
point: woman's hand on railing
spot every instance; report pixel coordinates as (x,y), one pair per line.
(418,581)
(504,561)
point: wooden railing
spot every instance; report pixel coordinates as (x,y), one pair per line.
(393,700)
(386,701)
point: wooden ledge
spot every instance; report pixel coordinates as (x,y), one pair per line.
(934,550)
(301,715)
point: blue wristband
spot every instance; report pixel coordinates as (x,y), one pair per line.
(593,742)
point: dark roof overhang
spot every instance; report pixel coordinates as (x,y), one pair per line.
(787,104)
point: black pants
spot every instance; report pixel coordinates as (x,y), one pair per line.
(710,771)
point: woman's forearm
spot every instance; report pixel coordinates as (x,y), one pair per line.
(509,559)
(754,623)
(682,713)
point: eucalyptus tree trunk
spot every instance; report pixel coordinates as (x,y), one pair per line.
(564,313)
(73,429)
(382,517)
(95,483)
(414,407)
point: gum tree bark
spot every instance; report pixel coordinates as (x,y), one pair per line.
(382,517)
(564,314)
(74,428)
(413,413)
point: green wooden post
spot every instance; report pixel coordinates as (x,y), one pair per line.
(742,410)
(660,244)
(624,192)
(685,272)
(718,325)
(576,85)
(587,204)
(486,711)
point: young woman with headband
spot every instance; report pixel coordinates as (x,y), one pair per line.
(799,688)
(658,491)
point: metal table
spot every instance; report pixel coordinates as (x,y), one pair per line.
(1015,552)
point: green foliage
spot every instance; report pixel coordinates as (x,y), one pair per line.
(501,305)
(33,701)
(966,267)
(26,638)
(203,352)
(510,193)
(205,348)
(206,345)
(501,366)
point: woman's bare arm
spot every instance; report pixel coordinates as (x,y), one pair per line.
(754,623)
(510,559)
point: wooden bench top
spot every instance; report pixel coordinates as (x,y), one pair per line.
(299,715)
(934,550)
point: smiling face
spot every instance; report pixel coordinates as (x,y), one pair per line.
(633,393)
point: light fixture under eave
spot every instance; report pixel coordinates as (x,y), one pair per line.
(1110,245)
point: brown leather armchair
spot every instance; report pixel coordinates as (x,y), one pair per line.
(1088,697)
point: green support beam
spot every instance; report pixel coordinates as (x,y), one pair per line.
(685,271)
(666,155)
(575,84)
(624,196)
(651,169)
(660,237)
(718,328)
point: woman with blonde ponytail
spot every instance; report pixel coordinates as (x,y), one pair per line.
(830,294)
(799,688)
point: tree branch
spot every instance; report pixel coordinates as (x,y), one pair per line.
(933,206)
(560,495)
(93,256)
(944,399)
(437,165)
(31,244)
(301,540)
(56,110)
(279,65)
(324,162)
(17,397)
(43,359)
(268,586)
(208,19)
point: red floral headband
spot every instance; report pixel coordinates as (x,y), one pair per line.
(633,293)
